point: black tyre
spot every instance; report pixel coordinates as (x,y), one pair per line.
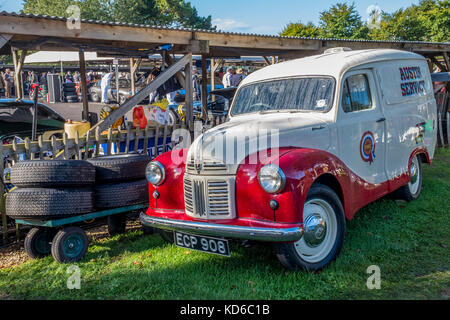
(120,167)
(51,173)
(324,232)
(412,190)
(69,245)
(48,203)
(166,235)
(117,224)
(37,243)
(114,195)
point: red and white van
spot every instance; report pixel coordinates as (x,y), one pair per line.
(308,143)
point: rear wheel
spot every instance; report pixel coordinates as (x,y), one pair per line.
(37,243)
(411,191)
(324,232)
(117,224)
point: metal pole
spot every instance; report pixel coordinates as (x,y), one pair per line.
(84,95)
(35,112)
(204,88)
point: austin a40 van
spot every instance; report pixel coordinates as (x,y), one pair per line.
(308,143)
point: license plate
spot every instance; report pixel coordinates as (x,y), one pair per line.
(201,243)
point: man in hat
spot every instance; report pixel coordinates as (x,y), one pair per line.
(227,77)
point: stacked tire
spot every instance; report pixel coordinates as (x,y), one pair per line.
(70,92)
(120,181)
(47,190)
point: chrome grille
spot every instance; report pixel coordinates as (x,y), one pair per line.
(207,167)
(207,197)
(218,198)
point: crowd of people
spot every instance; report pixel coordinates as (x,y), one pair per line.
(231,78)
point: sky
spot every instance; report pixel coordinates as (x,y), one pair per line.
(263,16)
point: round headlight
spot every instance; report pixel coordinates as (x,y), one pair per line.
(155,173)
(271,178)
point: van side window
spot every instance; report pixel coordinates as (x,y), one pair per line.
(356,94)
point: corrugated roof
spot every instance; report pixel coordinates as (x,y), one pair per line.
(109,23)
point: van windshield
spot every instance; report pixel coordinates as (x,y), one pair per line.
(300,94)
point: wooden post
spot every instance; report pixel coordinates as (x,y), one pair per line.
(189,99)
(213,75)
(204,88)
(18,64)
(85,114)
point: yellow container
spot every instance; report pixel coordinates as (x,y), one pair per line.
(71,127)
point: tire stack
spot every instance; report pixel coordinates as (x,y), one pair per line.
(120,181)
(70,92)
(51,189)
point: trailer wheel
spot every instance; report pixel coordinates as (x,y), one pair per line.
(117,224)
(37,243)
(69,245)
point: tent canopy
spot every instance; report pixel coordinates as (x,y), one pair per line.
(61,56)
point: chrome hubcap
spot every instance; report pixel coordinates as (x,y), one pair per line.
(414,173)
(315,229)
(320,231)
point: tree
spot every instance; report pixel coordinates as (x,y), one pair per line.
(299,29)
(342,21)
(153,12)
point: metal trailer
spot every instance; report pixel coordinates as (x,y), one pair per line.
(64,238)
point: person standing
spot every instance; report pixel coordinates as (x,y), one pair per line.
(104,85)
(237,77)
(8,80)
(227,77)
(2,86)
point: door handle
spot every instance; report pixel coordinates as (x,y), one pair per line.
(381,119)
(318,128)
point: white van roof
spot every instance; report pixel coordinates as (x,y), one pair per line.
(330,64)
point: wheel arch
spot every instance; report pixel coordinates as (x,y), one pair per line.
(332,182)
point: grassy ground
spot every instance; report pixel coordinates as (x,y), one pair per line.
(408,241)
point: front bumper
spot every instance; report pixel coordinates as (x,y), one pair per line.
(225,231)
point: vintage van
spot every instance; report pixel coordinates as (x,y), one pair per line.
(308,143)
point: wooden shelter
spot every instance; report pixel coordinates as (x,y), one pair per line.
(25,32)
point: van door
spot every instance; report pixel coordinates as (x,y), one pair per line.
(361,126)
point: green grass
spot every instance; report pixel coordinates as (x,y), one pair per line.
(408,241)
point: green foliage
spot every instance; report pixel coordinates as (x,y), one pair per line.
(342,21)
(427,21)
(299,29)
(152,12)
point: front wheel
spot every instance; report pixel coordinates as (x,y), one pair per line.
(411,191)
(324,232)
(70,245)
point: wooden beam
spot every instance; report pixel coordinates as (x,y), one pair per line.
(4,38)
(84,93)
(447,60)
(145,91)
(213,75)
(18,64)
(132,77)
(266,60)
